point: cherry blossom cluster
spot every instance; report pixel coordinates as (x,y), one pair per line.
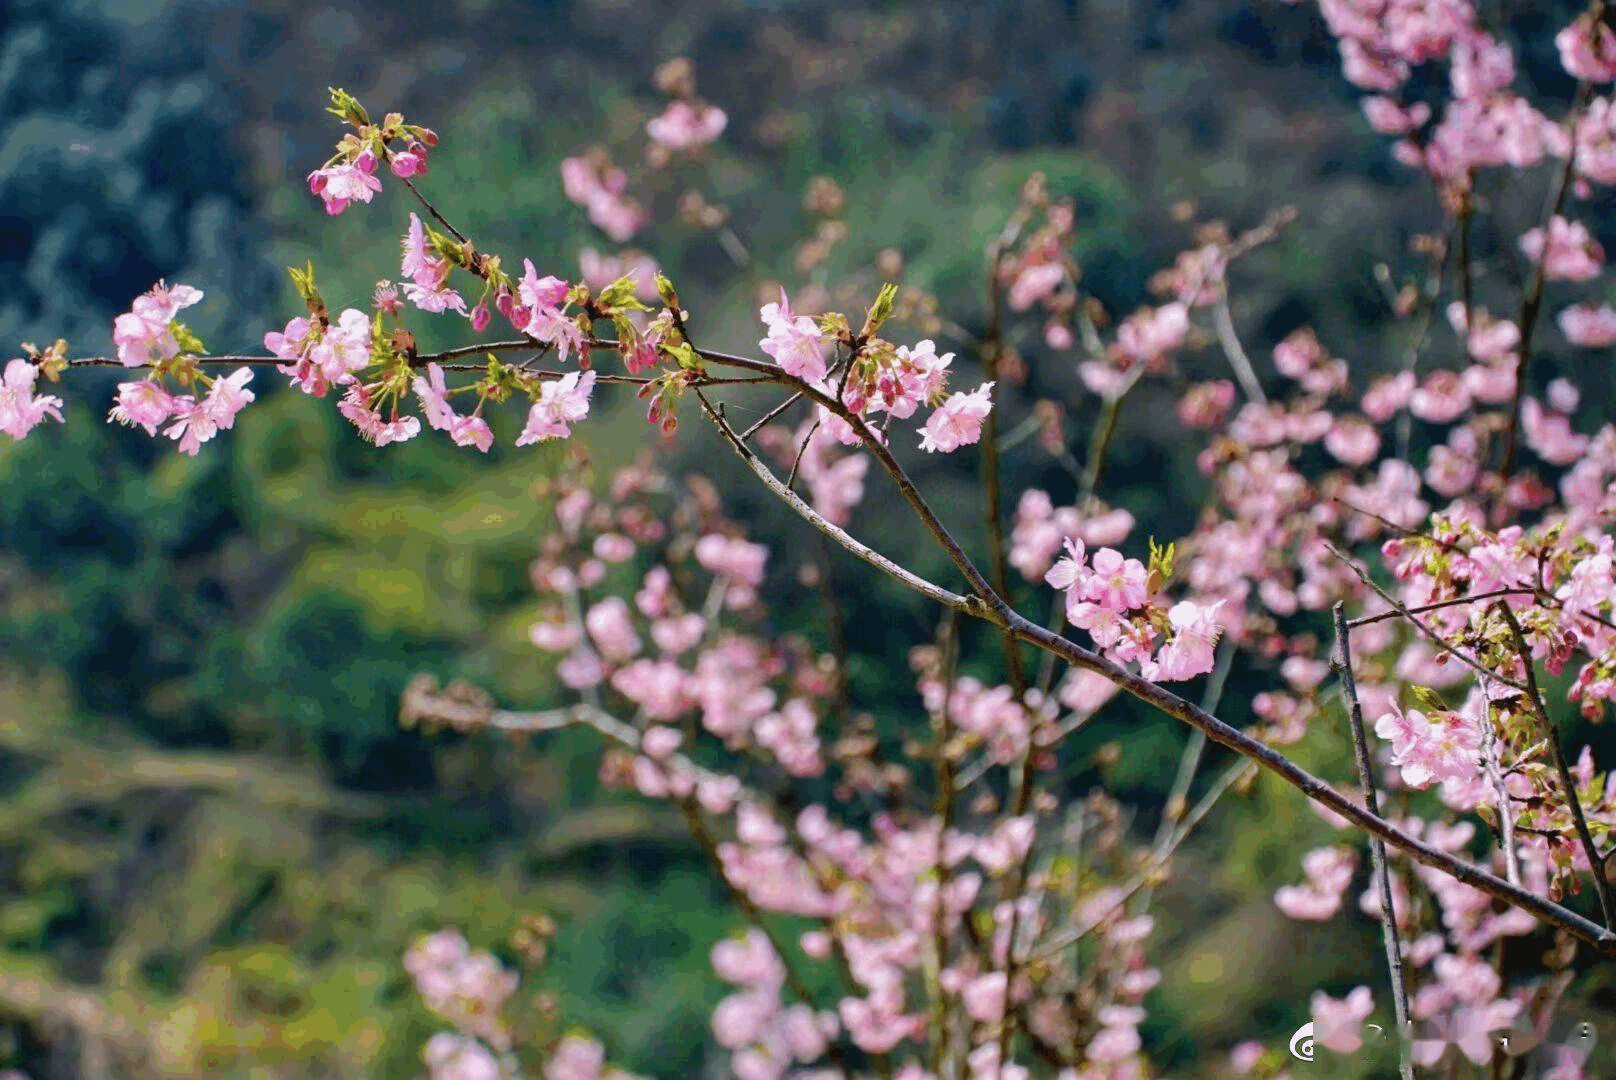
(151,335)
(1038,269)
(764,1036)
(593,182)
(350,175)
(469,989)
(1112,597)
(883,901)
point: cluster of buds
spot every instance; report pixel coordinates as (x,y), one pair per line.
(350,175)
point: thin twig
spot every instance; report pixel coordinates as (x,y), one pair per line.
(770,415)
(1190,760)
(1532,299)
(1491,759)
(1365,620)
(1535,696)
(835,532)
(1424,629)
(943,734)
(1223,321)
(1158,859)
(458,235)
(1342,662)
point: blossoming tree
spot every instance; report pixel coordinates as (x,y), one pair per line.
(950,913)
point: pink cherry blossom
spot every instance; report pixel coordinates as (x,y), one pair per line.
(1387,396)
(683,126)
(1035,283)
(20,410)
(339,185)
(562,402)
(958,421)
(1441,399)
(1338,1024)
(794,343)
(145,403)
(1389,118)
(1352,441)
(143,335)
(733,558)
(1150,333)
(1589,325)
(1588,49)
(1568,253)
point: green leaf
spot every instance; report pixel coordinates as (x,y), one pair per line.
(881,310)
(619,296)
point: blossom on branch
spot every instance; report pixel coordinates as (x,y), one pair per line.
(562,402)
(957,421)
(339,185)
(20,409)
(143,335)
(796,344)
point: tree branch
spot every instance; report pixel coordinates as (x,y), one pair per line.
(1342,662)
(1535,696)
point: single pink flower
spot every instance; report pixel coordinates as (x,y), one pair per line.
(562,402)
(795,343)
(958,421)
(1337,1024)
(684,127)
(145,403)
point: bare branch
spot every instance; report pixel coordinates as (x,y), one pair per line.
(1342,662)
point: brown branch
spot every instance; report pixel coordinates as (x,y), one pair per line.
(1532,299)
(1535,696)
(1365,620)
(1342,662)
(458,235)
(1424,629)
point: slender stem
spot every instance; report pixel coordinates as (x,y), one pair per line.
(1532,299)
(943,734)
(1223,321)
(458,235)
(770,415)
(1411,357)
(1158,859)
(1377,846)
(1190,759)
(1424,629)
(1022,779)
(1365,620)
(835,532)
(422,360)
(1567,783)
(1506,815)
